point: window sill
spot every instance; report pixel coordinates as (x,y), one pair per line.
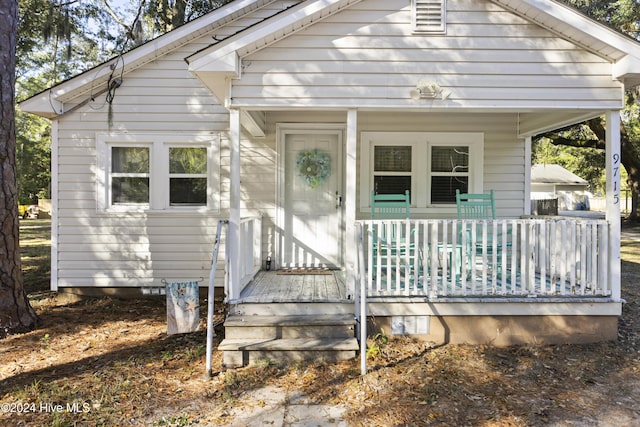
(175,212)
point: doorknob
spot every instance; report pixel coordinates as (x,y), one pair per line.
(338,200)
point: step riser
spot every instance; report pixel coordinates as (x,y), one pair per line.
(287,332)
(235,359)
(283,335)
(285,309)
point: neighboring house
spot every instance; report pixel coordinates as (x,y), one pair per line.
(555,182)
(294,111)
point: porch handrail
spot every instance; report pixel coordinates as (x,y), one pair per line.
(361,299)
(502,257)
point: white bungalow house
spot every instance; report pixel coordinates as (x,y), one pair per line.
(553,182)
(282,116)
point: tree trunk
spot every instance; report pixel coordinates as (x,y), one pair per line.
(16,314)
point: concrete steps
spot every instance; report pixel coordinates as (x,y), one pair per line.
(286,338)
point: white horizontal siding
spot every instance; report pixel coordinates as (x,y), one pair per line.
(99,249)
(368,56)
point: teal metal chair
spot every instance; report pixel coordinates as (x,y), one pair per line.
(390,206)
(479,207)
(476,206)
(390,244)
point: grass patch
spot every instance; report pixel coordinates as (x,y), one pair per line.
(35,249)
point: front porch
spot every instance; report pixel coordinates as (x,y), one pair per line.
(297,287)
(516,281)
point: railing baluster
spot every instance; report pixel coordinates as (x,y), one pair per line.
(483,224)
(472,249)
(553,272)
(604,261)
(593,279)
(531,273)
(583,257)
(467,260)
(434,259)
(543,239)
(563,260)
(573,240)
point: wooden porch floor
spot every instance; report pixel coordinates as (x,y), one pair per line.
(269,286)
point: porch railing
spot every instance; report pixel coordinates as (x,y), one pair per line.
(250,249)
(519,257)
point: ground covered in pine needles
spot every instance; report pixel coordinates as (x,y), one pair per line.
(110,362)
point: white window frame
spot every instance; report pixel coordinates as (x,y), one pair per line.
(158,144)
(421,143)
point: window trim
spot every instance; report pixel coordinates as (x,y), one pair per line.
(159,144)
(421,175)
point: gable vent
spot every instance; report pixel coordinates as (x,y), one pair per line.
(429,16)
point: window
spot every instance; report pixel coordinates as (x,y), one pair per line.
(449,172)
(187,176)
(158,172)
(130,175)
(391,169)
(432,166)
(429,16)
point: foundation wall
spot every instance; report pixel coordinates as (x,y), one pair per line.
(504,331)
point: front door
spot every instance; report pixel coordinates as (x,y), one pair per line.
(311,200)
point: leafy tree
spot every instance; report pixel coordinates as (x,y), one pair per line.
(16,314)
(624,16)
(166,15)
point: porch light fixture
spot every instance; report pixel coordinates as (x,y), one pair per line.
(428,89)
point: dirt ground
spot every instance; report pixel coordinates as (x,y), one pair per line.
(109,362)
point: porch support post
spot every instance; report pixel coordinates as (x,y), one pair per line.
(233,233)
(350,200)
(527,175)
(613,164)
